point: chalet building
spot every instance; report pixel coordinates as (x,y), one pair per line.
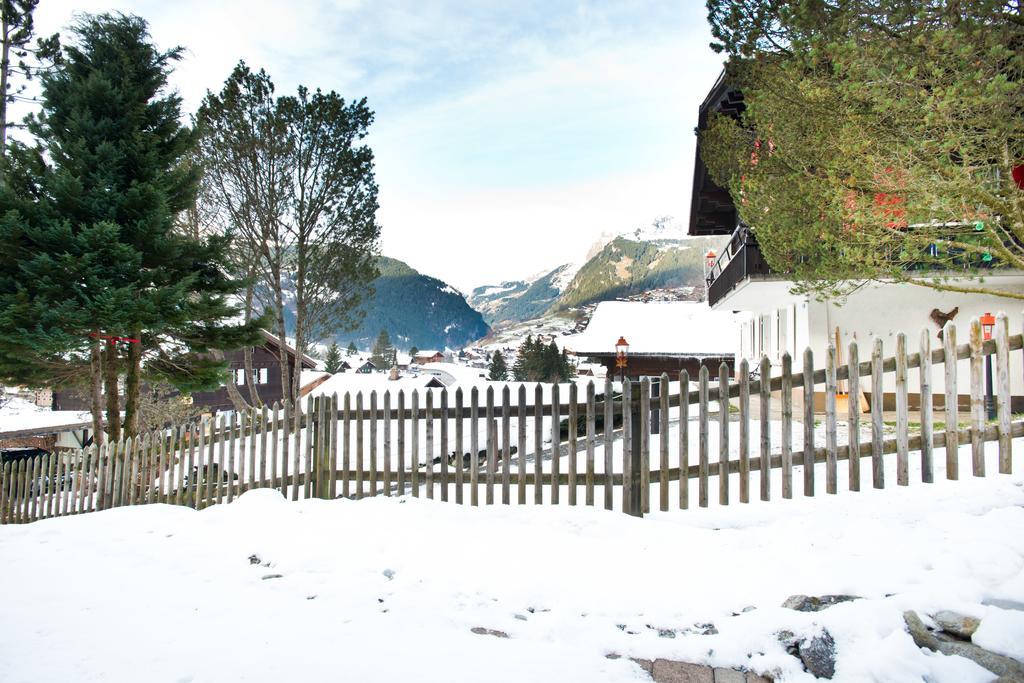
(779,321)
(265,379)
(663,337)
(431,356)
(366,367)
(44,431)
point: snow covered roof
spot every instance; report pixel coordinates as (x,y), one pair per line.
(459,374)
(428,353)
(664,327)
(379,382)
(18,420)
(307,361)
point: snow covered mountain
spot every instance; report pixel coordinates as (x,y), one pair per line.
(517,300)
(625,265)
(415,309)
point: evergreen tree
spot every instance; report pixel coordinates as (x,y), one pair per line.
(879,139)
(413,351)
(519,368)
(89,248)
(352,350)
(383,353)
(498,370)
(17,29)
(332,363)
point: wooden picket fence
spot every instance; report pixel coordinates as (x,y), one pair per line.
(355,448)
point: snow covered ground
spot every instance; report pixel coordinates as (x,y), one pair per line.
(388,589)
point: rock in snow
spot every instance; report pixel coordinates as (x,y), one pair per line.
(997,664)
(818,653)
(957,624)
(805,603)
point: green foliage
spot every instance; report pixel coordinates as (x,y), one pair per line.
(383,354)
(539,362)
(88,242)
(885,135)
(352,350)
(498,370)
(332,363)
(413,351)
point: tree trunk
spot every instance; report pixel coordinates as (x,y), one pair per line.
(300,323)
(5,70)
(283,340)
(132,388)
(254,396)
(113,400)
(95,390)
(234,395)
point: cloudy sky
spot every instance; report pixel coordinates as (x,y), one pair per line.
(508,135)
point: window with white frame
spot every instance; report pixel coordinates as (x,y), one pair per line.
(240,376)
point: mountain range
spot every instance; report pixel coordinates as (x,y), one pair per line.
(415,310)
(618,266)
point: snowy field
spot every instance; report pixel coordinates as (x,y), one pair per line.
(388,589)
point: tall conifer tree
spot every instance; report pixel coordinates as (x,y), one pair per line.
(88,235)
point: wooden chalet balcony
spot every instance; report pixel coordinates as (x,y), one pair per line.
(741,259)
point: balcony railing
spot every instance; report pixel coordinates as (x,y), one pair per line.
(740,259)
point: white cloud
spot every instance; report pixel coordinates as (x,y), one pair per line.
(508,135)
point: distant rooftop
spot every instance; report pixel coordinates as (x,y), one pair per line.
(676,328)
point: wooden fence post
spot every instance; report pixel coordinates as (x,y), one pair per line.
(787,425)
(1003,393)
(927,414)
(663,432)
(428,459)
(853,411)
(831,444)
(877,395)
(387,443)
(951,401)
(636,456)
(808,458)
(902,413)
(702,443)
(977,401)
(571,436)
(744,382)
(360,418)
(607,450)
(765,396)
(684,440)
(723,434)
(506,441)
(591,433)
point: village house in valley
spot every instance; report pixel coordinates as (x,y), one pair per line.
(663,337)
(779,321)
(430,356)
(265,379)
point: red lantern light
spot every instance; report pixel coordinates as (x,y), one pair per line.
(988,323)
(710,259)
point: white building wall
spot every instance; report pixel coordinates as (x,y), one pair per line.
(880,310)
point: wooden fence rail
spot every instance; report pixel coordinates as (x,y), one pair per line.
(591,445)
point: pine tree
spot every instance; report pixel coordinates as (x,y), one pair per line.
(498,370)
(382,354)
(352,350)
(520,367)
(413,351)
(17,29)
(91,210)
(332,363)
